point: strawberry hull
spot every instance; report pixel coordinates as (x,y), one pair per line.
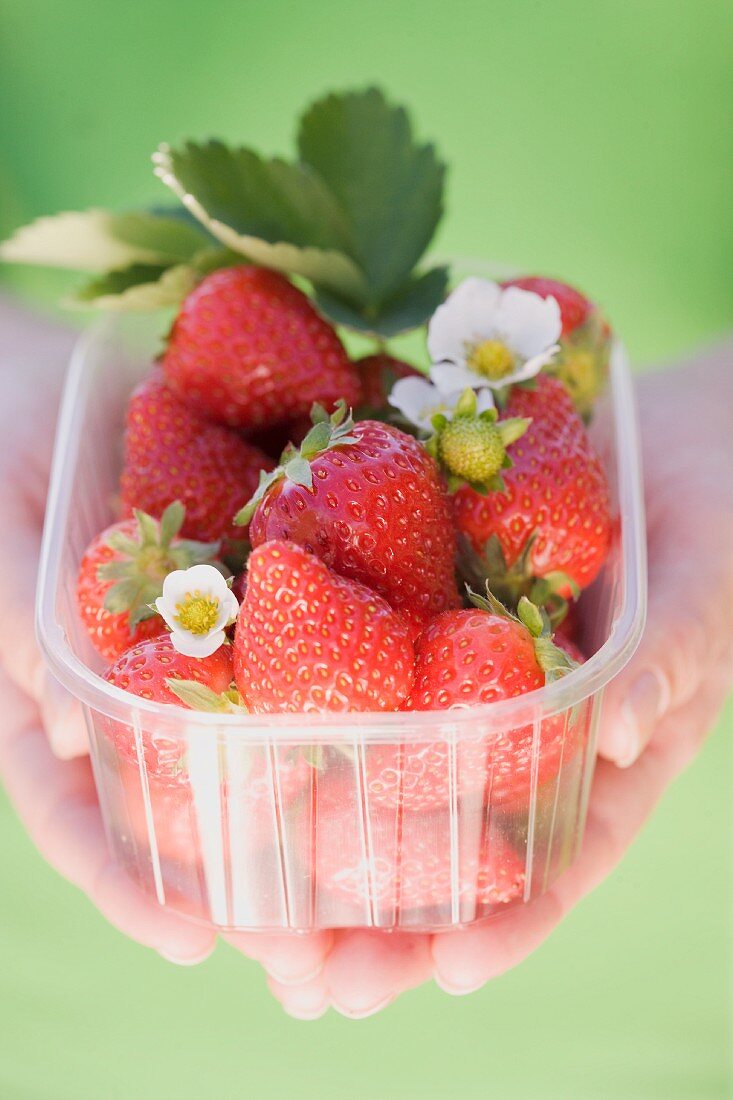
(296,822)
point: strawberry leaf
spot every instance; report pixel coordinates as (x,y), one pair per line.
(277,214)
(388,187)
(138,287)
(411,306)
(96,240)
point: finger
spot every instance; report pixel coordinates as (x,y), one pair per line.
(290,958)
(308,1001)
(682,645)
(57,803)
(368,968)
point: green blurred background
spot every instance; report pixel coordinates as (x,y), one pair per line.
(589,140)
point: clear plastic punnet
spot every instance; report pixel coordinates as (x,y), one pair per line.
(298,822)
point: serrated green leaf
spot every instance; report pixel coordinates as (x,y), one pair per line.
(98,240)
(169,238)
(139,287)
(388,186)
(276,214)
(409,308)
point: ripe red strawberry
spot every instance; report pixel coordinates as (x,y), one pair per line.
(585,341)
(553,518)
(378,373)
(369,501)
(466,659)
(407,865)
(173,453)
(122,573)
(309,640)
(144,670)
(248,349)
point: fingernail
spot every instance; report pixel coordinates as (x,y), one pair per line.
(294,979)
(457,990)
(192,960)
(646,702)
(362,1013)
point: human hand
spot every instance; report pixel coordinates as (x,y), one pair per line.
(53,791)
(655,717)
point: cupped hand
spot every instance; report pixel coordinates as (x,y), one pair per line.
(655,718)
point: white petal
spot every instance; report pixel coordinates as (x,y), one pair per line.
(467,316)
(206,579)
(174,590)
(451,378)
(528,323)
(229,607)
(167,610)
(532,367)
(415,397)
(197,645)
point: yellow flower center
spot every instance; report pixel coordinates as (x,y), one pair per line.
(197,613)
(492,358)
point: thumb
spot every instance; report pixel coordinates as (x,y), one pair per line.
(690,590)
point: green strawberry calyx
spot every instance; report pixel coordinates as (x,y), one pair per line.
(553,660)
(511,582)
(327,432)
(198,696)
(471,446)
(145,559)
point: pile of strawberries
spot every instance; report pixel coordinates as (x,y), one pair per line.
(259,452)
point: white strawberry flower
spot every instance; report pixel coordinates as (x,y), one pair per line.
(420,400)
(485,335)
(198,605)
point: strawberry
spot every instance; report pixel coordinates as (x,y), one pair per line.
(248,349)
(377,374)
(145,670)
(404,861)
(122,572)
(174,453)
(308,640)
(369,501)
(585,341)
(472,658)
(552,520)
